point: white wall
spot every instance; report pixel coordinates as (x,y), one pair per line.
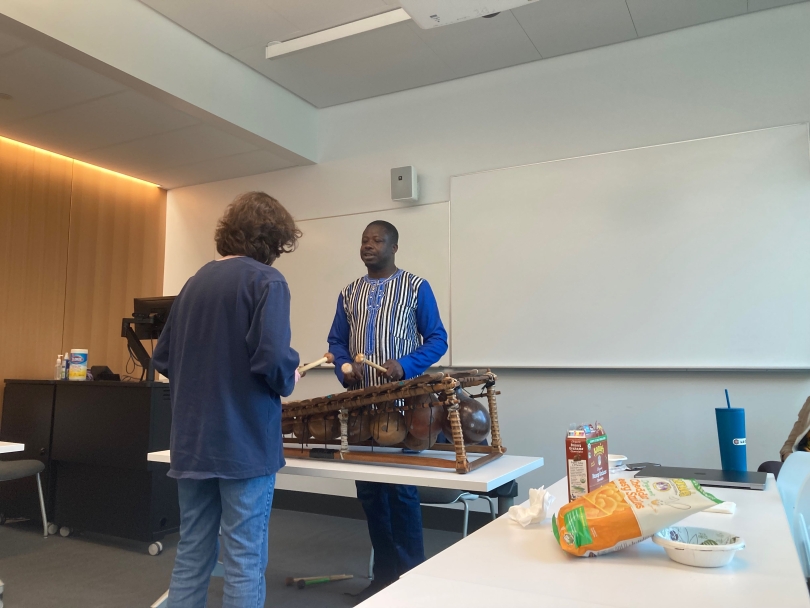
(729,76)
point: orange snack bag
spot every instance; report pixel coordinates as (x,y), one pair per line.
(624,512)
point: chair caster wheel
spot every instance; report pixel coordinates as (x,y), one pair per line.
(64,531)
(156,548)
(53,529)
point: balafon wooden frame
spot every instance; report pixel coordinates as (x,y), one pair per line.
(390,397)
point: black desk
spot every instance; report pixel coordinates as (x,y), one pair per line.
(93,438)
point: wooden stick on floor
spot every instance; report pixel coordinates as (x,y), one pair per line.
(305,581)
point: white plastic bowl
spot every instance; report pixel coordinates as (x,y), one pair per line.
(699,547)
(616,460)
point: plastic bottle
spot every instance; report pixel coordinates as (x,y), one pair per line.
(67,366)
(59,369)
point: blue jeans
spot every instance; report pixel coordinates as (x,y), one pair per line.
(395,527)
(242,508)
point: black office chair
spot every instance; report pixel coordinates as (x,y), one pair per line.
(18,469)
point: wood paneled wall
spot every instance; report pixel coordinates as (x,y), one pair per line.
(77,244)
(117,237)
(34,227)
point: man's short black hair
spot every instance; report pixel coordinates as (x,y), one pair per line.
(389,228)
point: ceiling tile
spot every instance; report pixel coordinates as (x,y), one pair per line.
(656,16)
(480,45)
(174,148)
(230,25)
(381,61)
(315,15)
(237,165)
(761,5)
(557,27)
(41,82)
(100,122)
(9,43)
(402,56)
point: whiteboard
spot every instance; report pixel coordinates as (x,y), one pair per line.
(328,258)
(687,255)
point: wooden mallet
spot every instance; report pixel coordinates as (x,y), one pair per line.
(305,581)
(327,358)
(361,358)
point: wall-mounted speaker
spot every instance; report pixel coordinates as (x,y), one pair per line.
(404,185)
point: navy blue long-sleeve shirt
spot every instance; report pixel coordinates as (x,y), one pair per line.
(226,351)
(392,318)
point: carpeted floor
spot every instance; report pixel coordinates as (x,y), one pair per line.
(97,572)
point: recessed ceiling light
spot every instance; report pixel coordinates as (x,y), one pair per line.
(5,96)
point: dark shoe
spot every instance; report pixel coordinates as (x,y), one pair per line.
(373,588)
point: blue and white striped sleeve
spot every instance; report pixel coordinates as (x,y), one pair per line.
(434,336)
(339,339)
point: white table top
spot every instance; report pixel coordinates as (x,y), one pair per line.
(526,567)
(491,475)
(6,447)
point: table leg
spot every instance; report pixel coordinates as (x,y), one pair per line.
(504,502)
(506,496)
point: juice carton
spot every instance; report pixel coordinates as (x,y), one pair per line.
(586,456)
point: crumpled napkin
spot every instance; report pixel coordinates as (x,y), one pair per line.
(539,506)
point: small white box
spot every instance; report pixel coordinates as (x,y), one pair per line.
(404,184)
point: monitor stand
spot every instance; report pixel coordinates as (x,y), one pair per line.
(135,346)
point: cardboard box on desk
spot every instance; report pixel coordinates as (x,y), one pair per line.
(586,456)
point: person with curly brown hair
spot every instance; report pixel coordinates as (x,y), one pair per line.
(226,351)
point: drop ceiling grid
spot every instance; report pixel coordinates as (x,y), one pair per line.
(66,108)
(372,65)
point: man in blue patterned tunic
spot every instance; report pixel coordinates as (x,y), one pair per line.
(391,317)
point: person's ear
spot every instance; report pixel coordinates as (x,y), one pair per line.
(395,247)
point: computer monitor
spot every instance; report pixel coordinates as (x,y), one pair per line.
(150,316)
(148,320)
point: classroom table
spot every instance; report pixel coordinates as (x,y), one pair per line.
(490,476)
(506,564)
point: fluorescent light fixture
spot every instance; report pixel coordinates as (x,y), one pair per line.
(276,49)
